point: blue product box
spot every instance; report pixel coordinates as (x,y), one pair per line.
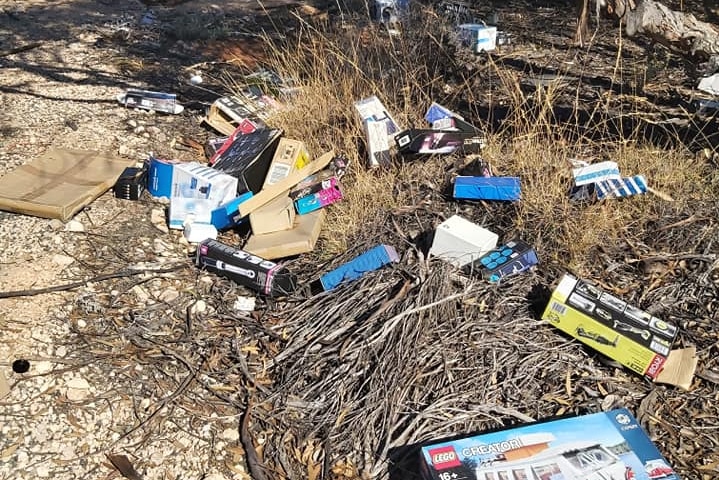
(227,215)
(159,177)
(606,445)
(370,260)
(508,259)
(487,188)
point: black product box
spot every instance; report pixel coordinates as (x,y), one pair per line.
(509,259)
(427,141)
(263,276)
(248,158)
(131,183)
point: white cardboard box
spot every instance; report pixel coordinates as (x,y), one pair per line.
(478,37)
(459,241)
(197,190)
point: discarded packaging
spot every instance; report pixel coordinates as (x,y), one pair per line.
(226,215)
(487,188)
(213,145)
(371,108)
(605,445)
(227,114)
(330,193)
(623,187)
(428,141)
(371,260)
(248,157)
(377,143)
(289,156)
(478,37)
(627,334)
(314,183)
(197,190)
(148,100)
(131,183)
(509,259)
(159,181)
(437,112)
(459,241)
(59,183)
(596,172)
(389,11)
(273,191)
(275,216)
(710,84)
(196,232)
(259,274)
(301,238)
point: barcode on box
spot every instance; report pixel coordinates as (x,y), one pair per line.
(278,172)
(559,308)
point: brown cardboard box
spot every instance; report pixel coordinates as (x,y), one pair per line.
(300,239)
(277,215)
(4,387)
(273,191)
(290,155)
(59,183)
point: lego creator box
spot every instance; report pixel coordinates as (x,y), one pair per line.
(248,158)
(631,336)
(601,446)
(331,193)
(509,259)
(259,274)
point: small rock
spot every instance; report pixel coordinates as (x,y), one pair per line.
(138,129)
(61,351)
(153,130)
(199,307)
(77,389)
(42,367)
(140,293)
(132,123)
(81,323)
(42,471)
(62,260)
(123,150)
(74,226)
(245,304)
(157,217)
(56,225)
(169,295)
(230,434)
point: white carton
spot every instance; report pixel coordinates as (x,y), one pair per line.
(197,190)
(478,37)
(459,241)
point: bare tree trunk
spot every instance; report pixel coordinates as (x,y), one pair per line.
(679,31)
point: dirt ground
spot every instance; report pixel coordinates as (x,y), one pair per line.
(62,64)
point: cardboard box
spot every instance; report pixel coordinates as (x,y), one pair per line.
(478,37)
(248,158)
(606,445)
(226,114)
(289,156)
(459,241)
(279,188)
(331,193)
(427,141)
(197,191)
(487,188)
(259,274)
(511,258)
(301,238)
(313,184)
(372,109)
(596,172)
(60,183)
(159,176)
(131,184)
(226,215)
(378,145)
(631,336)
(275,216)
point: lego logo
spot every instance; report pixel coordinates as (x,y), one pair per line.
(444,457)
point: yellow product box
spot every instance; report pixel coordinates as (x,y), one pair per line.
(622,332)
(291,155)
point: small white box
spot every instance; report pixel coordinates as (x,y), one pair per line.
(478,37)
(460,241)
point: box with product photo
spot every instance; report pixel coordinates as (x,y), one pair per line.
(329,194)
(276,215)
(459,241)
(478,37)
(372,109)
(631,336)
(227,113)
(505,260)
(598,446)
(197,190)
(259,274)
(290,155)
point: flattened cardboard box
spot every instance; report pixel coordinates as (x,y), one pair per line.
(300,239)
(275,216)
(4,387)
(627,334)
(60,183)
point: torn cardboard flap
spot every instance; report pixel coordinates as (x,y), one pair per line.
(275,216)
(276,189)
(679,368)
(60,183)
(4,387)
(300,239)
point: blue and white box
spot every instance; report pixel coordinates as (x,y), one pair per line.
(197,191)
(596,172)
(623,187)
(478,37)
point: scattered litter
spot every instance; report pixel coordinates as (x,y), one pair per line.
(330,192)
(227,114)
(149,100)
(509,259)
(290,155)
(196,232)
(621,187)
(227,215)
(196,79)
(622,332)
(131,184)
(59,183)
(259,274)
(248,157)
(599,445)
(380,129)
(244,304)
(369,261)
(198,190)
(478,37)
(710,84)
(596,172)
(459,241)
(301,238)
(487,188)
(276,215)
